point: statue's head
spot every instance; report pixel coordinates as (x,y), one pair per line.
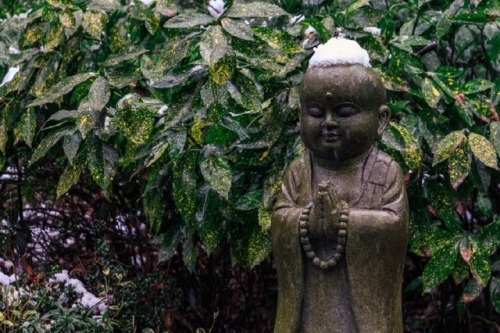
(343,111)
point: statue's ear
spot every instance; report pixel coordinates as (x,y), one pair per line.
(384,114)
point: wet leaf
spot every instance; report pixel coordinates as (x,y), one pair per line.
(135,123)
(71,144)
(440,198)
(471,291)
(70,176)
(431,94)
(170,80)
(471,18)
(276,39)
(477,85)
(87,118)
(28,126)
(189,254)
(93,23)
(251,246)
(128,53)
(48,142)
(483,150)
(495,136)
(249,201)
(101,162)
(495,293)
(237,28)
(188,20)
(255,9)
(480,264)
(216,171)
(176,142)
(447,146)
(99,94)
(214,45)
(3,134)
(459,166)
(210,224)
(61,88)
(184,186)
(441,265)
(154,209)
(222,71)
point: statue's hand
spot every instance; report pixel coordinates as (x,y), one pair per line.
(324,218)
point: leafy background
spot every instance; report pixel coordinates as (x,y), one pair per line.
(154,136)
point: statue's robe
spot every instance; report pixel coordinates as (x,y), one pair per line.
(375,249)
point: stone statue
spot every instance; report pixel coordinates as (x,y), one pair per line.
(339,226)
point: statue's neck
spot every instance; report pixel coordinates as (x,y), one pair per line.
(340,166)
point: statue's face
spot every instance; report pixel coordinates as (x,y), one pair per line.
(342,111)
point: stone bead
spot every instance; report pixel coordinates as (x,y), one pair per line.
(342,233)
(304,224)
(316,261)
(304,240)
(337,256)
(323,264)
(342,225)
(303,232)
(340,248)
(341,240)
(310,254)
(307,247)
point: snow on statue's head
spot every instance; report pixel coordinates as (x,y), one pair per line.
(341,85)
(341,67)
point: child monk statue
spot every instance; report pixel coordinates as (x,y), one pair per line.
(339,226)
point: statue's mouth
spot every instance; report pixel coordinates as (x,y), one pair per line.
(330,136)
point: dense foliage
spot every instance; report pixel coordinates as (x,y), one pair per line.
(185,115)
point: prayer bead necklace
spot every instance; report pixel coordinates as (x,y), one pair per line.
(341,237)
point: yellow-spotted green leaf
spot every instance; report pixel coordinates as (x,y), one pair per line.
(249,201)
(87,117)
(237,28)
(471,291)
(356,5)
(479,263)
(495,293)
(222,71)
(276,39)
(495,136)
(400,139)
(170,80)
(255,9)
(99,94)
(483,150)
(128,53)
(447,146)
(71,144)
(70,176)
(477,85)
(101,162)
(176,142)
(430,92)
(55,37)
(184,186)
(3,134)
(440,266)
(135,123)
(61,88)
(93,23)
(62,115)
(210,224)
(440,198)
(265,218)
(459,165)
(154,209)
(216,171)
(250,246)
(470,18)
(214,45)
(47,143)
(188,20)
(27,126)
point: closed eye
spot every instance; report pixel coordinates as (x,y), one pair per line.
(315,112)
(347,111)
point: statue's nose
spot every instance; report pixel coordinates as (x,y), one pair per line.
(330,120)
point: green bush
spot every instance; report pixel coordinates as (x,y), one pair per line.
(193,119)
